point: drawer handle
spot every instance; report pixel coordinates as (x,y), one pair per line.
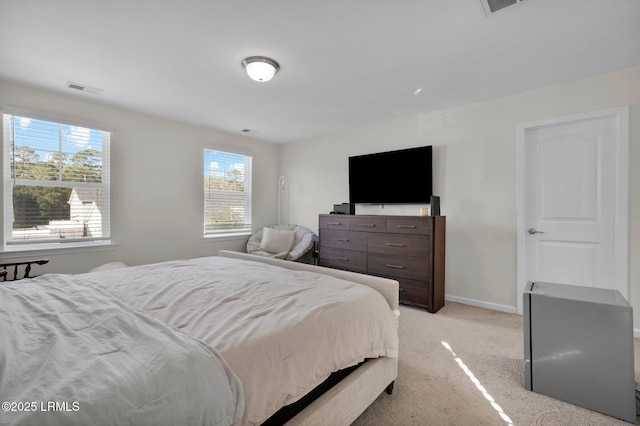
(334,223)
(395,266)
(344,240)
(345,259)
(406,226)
(396,245)
(368,225)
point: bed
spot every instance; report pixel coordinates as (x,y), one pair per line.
(227,339)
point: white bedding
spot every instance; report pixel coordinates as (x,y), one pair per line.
(282,332)
(71,354)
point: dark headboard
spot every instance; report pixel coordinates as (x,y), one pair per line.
(8,269)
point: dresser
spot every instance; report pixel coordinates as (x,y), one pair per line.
(409,249)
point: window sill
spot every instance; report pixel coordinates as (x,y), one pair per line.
(47,249)
(226,237)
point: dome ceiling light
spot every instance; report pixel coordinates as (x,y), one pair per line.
(260,68)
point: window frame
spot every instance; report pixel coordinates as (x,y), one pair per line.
(234,233)
(10,249)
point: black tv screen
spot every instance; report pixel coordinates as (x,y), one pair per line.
(393,177)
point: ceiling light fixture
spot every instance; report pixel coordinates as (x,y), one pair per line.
(260,68)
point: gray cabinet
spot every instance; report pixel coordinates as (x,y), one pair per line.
(578,347)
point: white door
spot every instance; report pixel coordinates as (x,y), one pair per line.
(571,203)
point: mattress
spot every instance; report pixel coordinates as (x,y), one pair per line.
(280,332)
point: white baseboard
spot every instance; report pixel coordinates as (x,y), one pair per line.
(481,304)
(502,308)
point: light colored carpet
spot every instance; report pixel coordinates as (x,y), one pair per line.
(433,389)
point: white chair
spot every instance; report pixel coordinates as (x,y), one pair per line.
(289,242)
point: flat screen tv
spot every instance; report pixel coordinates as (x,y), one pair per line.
(393,177)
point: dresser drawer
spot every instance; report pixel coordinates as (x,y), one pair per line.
(335,238)
(399,244)
(343,259)
(415,268)
(368,224)
(335,221)
(414,292)
(410,225)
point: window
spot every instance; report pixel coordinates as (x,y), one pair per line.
(56,182)
(227,193)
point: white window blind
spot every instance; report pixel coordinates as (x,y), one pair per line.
(227,193)
(56,182)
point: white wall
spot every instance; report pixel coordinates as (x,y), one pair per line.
(156,177)
(156,209)
(474,173)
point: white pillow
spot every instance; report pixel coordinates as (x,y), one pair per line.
(277,241)
(109,266)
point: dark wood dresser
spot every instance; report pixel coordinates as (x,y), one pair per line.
(409,249)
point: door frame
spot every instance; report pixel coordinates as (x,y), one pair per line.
(621,118)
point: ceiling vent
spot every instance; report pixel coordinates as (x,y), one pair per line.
(492,6)
(83,88)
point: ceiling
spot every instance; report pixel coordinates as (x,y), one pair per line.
(344,64)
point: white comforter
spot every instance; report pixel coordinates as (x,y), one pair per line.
(282,332)
(72,354)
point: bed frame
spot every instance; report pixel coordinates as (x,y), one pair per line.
(5,267)
(345,401)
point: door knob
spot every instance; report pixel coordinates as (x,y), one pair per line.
(533,231)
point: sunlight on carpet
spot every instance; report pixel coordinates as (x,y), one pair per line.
(481,388)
